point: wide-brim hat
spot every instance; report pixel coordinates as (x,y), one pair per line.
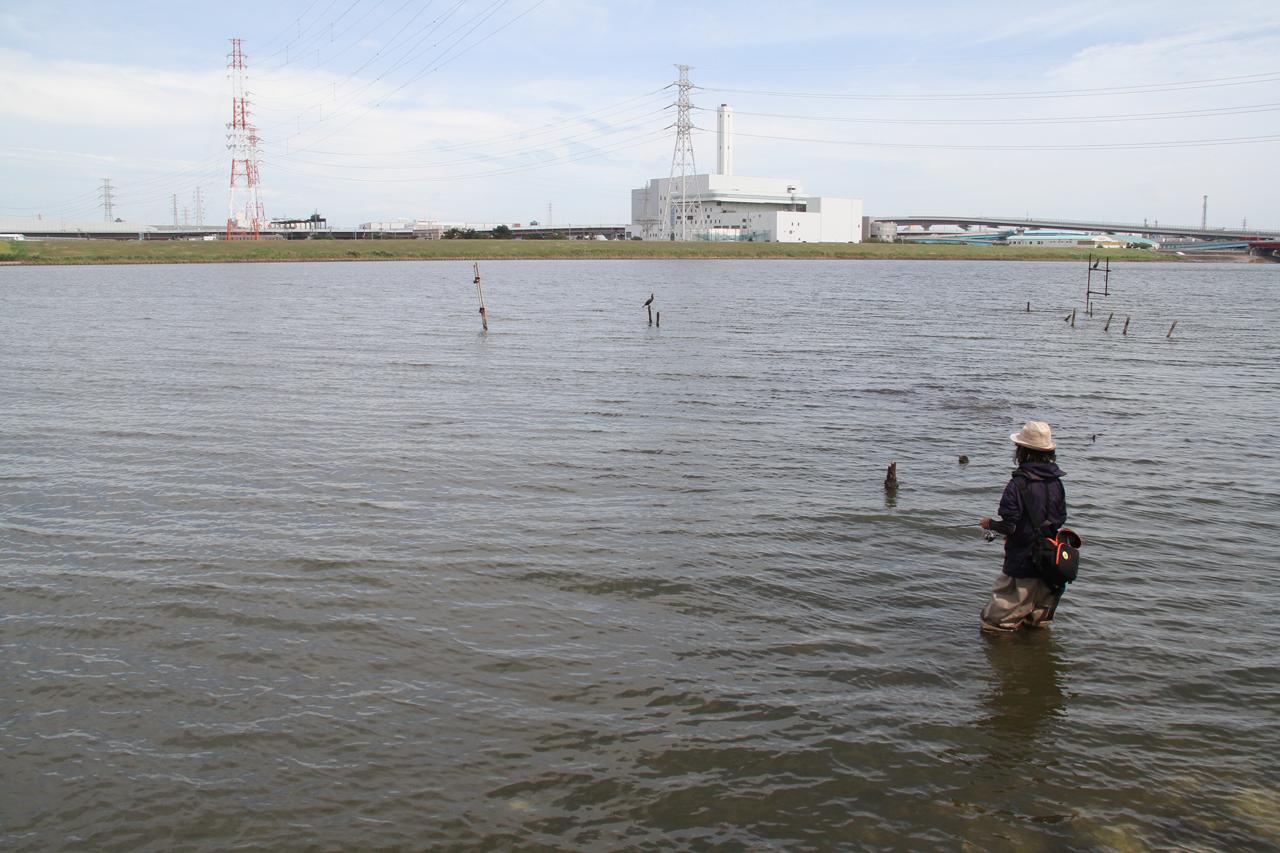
(1035,435)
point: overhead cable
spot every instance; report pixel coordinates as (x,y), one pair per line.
(1098,146)
(1122,117)
(1139,89)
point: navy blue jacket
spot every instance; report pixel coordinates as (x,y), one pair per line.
(1044,488)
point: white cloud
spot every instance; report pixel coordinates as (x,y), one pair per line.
(103,95)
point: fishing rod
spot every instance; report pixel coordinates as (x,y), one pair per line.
(989,535)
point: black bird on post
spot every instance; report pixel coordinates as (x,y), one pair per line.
(647,303)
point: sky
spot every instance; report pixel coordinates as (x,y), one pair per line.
(553,110)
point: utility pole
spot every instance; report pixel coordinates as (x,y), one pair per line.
(108,200)
(174,199)
(199,206)
(681,214)
(1204,213)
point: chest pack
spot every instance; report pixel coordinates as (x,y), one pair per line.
(1056,558)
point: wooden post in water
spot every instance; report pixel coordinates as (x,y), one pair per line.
(1107,326)
(1171,328)
(650,310)
(1125,331)
(659,319)
(1028,307)
(1073,318)
(1103,267)
(484,319)
(1088,281)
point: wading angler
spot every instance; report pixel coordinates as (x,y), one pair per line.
(1032,511)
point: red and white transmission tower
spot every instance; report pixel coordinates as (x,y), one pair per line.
(244,208)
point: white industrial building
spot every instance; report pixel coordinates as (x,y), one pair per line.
(423,229)
(733,207)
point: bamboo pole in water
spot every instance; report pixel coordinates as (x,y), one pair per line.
(484,319)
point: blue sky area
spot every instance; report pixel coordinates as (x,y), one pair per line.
(491,110)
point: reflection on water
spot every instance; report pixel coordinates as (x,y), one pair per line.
(1025,692)
(293,557)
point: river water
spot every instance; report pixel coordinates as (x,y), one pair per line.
(295,557)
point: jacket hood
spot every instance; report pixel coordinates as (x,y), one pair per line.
(1041,470)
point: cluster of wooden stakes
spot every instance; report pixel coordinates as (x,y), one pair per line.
(1101,266)
(654,318)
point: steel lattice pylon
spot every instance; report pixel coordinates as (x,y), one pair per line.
(681,213)
(244,217)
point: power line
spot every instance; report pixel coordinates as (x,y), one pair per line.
(1139,89)
(540,130)
(642,139)
(148,189)
(301,29)
(293,108)
(398,58)
(1103,146)
(298,21)
(440,63)
(479,157)
(335,37)
(525,141)
(1095,119)
(320,32)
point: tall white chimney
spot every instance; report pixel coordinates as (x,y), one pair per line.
(724,138)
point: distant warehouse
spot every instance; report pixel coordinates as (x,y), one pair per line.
(732,207)
(1046,237)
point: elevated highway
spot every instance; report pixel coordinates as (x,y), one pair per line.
(1145,228)
(1267,249)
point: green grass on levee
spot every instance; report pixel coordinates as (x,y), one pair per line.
(186,251)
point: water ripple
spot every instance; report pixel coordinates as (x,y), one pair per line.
(295,558)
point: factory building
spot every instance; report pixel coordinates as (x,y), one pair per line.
(423,229)
(733,207)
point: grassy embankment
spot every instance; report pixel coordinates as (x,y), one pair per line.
(182,252)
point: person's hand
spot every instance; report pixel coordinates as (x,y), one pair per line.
(985,523)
